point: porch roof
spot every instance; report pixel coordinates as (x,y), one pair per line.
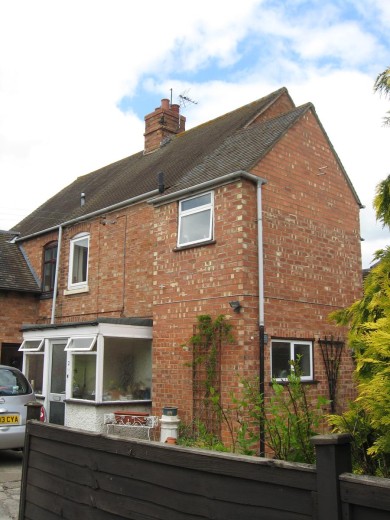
(135,322)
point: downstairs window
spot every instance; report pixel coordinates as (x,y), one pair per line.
(285,351)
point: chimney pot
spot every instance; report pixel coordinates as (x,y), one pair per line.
(165,104)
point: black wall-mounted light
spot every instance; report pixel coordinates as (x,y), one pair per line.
(236,306)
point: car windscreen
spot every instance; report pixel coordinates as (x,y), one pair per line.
(13,382)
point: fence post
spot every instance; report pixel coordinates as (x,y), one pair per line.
(33,410)
(333,457)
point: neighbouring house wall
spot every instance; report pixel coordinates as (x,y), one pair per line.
(34,251)
(15,309)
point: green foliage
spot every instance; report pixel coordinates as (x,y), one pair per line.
(382,201)
(369,337)
(357,422)
(371,307)
(240,417)
(209,333)
(289,419)
(196,435)
(382,85)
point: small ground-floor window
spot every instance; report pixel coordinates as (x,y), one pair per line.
(284,351)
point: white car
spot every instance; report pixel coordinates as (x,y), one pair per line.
(15,393)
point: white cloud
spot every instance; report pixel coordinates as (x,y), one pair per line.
(68,64)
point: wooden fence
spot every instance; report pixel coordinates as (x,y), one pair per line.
(76,475)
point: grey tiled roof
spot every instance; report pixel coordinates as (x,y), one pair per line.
(204,153)
(15,273)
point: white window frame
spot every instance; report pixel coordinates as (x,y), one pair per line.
(26,368)
(293,343)
(73,243)
(71,363)
(73,345)
(193,211)
(25,348)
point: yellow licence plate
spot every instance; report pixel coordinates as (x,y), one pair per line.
(9,419)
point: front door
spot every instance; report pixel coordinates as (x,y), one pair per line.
(57,382)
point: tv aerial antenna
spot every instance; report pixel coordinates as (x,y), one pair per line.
(184,99)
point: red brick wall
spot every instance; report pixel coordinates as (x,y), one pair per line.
(202,280)
(15,310)
(312,257)
(119,267)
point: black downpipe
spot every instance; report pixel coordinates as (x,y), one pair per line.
(261,390)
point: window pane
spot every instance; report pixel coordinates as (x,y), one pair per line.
(196,202)
(34,371)
(58,364)
(80,261)
(50,253)
(280,359)
(303,353)
(84,376)
(49,267)
(48,277)
(81,343)
(127,369)
(31,344)
(195,227)
(13,383)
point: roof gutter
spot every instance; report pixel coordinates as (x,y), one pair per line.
(164,199)
(113,207)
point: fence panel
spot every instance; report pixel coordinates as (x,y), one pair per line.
(76,474)
(364,497)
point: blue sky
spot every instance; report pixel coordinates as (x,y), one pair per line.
(78,77)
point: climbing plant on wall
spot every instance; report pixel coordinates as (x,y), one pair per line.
(209,335)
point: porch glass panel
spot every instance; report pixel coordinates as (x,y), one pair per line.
(127,372)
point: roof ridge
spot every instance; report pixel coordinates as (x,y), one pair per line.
(241,109)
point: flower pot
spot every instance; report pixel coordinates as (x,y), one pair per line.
(124,417)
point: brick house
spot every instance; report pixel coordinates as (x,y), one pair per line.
(253,207)
(19,298)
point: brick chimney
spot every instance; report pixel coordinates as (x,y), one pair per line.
(161,124)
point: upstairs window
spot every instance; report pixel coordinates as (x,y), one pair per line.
(49,267)
(78,261)
(285,351)
(196,219)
